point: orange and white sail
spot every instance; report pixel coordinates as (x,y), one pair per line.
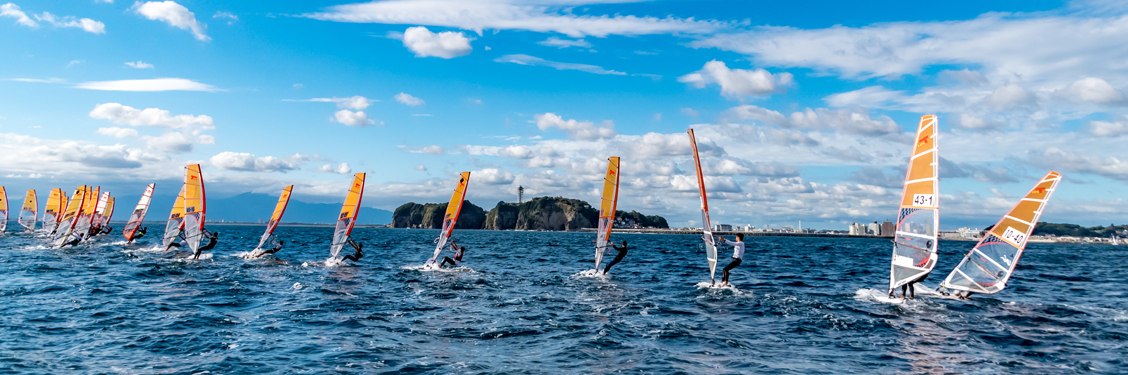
(276,217)
(3,209)
(347,219)
(100,210)
(195,206)
(175,220)
(138,215)
(608,204)
(86,213)
(918,218)
(109,213)
(53,213)
(454,208)
(65,232)
(30,211)
(988,266)
(706,228)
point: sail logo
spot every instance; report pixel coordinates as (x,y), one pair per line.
(924,139)
(1040,190)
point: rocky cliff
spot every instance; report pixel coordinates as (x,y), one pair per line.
(543,213)
(430,215)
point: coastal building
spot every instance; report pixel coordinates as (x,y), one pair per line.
(969,233)
(722,228)
(857,229)
(888,229)
(874,229)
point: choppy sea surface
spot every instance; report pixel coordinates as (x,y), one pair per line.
(517,304)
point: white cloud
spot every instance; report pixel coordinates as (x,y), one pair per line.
(355,102)
(564,43)
(433,150)
(540,16)
(37,80)
(408,99)
(156,117)
(350,118)
(145,85)
(869,97)
(231,18)
(1068,161)
(819,118)
(1109,129)
(536,61)
(690,112)
(74,62)
(967,121)
(139,65)
(117,132)
(1094,90)
(246,162)
(13,11)
(737,83)
(446,44)
(1010,97)
(176,142)
(421,168)
(584,130)
(173,14)
(493,176)
(342,168)
(86,24)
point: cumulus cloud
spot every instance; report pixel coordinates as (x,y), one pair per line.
(493,176)
(536,61)
(1093,90)
(117,132)
(736,83)
(139,65)
(446,44)
(1010,97)
(350,118)
(564,43)
(540,16)
(581,130)
(342,168)
(86,24)
(145,85)
(1109,129)
(408,99)
(156,117)
(432,150)
(1068,161)
(174,14)
(176,142)
(247,162)
(819,118)
(13,11)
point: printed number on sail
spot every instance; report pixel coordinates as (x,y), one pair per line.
(1014,235)
(927,200)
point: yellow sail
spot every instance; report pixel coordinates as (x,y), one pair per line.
(347,219)
(454,208)
(918,218)
(56,204)
(86,213)
(175,219)
(109,212)
(279,209)
(607,207)
(30,211)
(194,206)
(71,217)
(3,209)
(988,266)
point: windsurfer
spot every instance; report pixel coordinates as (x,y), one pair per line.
(359,254)
(618,257)
(458,252)
(737,256)
(275,249)
(212,239)
(139,234)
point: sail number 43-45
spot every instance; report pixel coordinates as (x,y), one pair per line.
(927,200)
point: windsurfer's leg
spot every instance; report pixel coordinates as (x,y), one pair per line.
(729,267)
(447,260)
(912,291)
(613,262)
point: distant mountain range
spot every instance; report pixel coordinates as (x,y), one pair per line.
(250,207)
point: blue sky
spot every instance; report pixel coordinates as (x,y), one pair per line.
(803,109)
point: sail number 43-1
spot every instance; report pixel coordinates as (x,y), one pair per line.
(927,200)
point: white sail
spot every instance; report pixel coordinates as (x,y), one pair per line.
(918,218)
(706,229)
(138,215)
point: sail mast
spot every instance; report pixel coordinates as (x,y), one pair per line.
(988,266)
(918,218)
(450,218)
(706,230)
(607,207)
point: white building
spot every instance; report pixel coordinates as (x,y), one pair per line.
(722,227)
(857,229)
(873,229)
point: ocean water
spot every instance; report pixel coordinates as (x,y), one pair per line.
(517,305)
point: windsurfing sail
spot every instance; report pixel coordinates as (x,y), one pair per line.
(86,213)
(347,218)
(988,266)
(918,219)
(279,209)
(100,211)
(175,220)
(607,206)
(194,207)
(56,204)
(70,218)
(706,226)
(30,211)
(138,215)
(3,209)
(454,207)
(109,213)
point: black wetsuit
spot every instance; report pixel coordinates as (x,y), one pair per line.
(275,249)
(457,256)
(359,254)
(212,239)
(139,234)
(911,289)
(618,257)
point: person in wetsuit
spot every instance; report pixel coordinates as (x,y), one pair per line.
(618,257)
(359,254)
(139,234)
(910,286)
(176,243)
(458,252)
(275,249)
(212,239)
(107,229)
(737,256)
